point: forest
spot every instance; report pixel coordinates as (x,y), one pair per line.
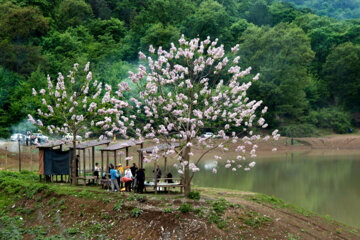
(338,9)
(308,54)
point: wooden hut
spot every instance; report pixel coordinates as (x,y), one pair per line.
(81,150)
(117,147)
(53,161)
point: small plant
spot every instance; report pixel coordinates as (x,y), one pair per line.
(254,219)
(220,206)
(61,202)
(38,198)
(136,212)
(139,198)
(131,197)
(200,212)
(63,207)
(72,231)
(107,200)
(194,195)
(185,208)
(118,206)
(105,215)
(52,201)
(167,210)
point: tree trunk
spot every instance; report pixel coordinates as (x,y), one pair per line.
(187,185)
(73,162)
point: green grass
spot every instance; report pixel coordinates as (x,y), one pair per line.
(278,203)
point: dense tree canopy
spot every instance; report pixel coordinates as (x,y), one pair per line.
(308,62)
(340,9)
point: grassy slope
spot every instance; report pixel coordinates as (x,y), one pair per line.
(32,210)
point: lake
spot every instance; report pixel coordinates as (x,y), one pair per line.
(325,182)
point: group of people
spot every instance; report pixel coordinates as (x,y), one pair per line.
(131,177)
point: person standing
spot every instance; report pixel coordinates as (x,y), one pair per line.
(114,183)
(121,171)
(140,180)
(133,172)
(97,172)
(128,175)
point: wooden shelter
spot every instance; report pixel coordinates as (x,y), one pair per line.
(160,147)
(116,147)
(82,148)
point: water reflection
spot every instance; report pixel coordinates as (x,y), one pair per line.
(325,183)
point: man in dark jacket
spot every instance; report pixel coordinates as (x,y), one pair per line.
(140,180)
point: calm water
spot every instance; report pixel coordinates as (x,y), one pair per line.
(327,183)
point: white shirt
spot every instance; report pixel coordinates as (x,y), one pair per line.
(128,173)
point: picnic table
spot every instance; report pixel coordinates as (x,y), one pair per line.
(165,185)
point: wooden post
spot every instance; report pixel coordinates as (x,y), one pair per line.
(155,176)
(115,158)
(102,163)
(93,159)
(84,160)
(127,155)
(165,167)
(19,156)
(142,155)
(6,158)
(71,152)
(107,158)
(139,159)
(31,159)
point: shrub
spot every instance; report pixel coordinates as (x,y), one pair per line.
(185,208)
(331,118)
(194,195)
(118,206)
(299,130)
(136,212)
(167,210)
(220,206)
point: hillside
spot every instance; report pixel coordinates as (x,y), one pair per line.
(31,210)
(339,9)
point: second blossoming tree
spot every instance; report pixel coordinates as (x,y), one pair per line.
(71,105)
(193,87)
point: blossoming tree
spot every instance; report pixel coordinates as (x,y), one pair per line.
(71,105)
(191,88)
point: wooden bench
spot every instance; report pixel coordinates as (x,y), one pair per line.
(165,185)
(105,183)
(87,179)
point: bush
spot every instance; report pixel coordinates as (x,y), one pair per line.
(185,208)
(331,118)
(167,210)
(194,195)
(118,206)
(298,130)
(136,212)
(220,206)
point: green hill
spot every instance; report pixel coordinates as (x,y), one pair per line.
(339,9)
